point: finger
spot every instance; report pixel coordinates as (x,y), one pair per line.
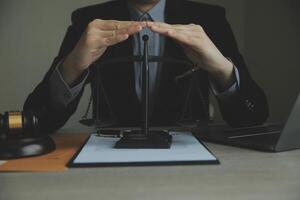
(99,42)
(115,25)
(179,29)
(159,24)
(161,30)
(191,28)
(188,34)
(168,26)
(164,30)
(107,34)
(130,30)
(115,40)
(168,31)
(182,36)
(111,24)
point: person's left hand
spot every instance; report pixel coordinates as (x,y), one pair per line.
(199,49)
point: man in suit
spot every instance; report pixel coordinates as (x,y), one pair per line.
(178,29)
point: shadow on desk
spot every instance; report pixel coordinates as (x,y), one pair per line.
(66,146)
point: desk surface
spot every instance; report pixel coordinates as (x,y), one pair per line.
(242,175)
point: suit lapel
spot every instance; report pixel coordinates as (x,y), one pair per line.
(170,97)
(118,80)
(172,14)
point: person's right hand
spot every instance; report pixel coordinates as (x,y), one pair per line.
(98,36)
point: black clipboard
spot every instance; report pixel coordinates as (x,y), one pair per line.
(74,164)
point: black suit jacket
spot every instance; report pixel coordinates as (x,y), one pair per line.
(171,103)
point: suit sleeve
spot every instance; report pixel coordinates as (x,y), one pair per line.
(249,107)
(61,92)
(53,116)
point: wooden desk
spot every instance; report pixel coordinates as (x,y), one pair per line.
(242,175)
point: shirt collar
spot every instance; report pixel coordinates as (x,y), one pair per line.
(156,13)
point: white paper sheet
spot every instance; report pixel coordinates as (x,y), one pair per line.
(185,148)
(2,162)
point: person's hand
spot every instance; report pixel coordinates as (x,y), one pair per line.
(98,36)
(199,49)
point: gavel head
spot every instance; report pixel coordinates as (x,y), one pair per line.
(18,124)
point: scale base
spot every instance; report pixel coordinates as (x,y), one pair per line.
(28,147)
(137,140)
